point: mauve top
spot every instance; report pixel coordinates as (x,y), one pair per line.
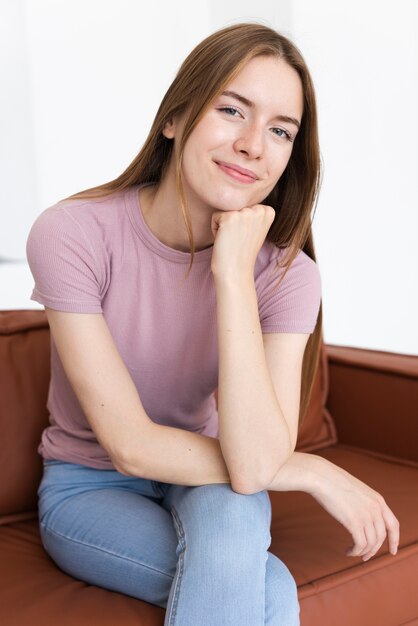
(100,256)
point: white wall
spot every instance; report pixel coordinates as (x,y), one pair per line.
(18,163)
(364,60)
(82,89)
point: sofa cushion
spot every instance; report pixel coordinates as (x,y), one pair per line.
(24,381)
(35,591)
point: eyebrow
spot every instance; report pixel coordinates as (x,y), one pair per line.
(248,103)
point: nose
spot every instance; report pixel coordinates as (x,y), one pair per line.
(250,141)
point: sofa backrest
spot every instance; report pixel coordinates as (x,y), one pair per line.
(24,380)
(24,383)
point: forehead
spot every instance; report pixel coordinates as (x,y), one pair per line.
(269,82)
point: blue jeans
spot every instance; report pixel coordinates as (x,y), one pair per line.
(199,552)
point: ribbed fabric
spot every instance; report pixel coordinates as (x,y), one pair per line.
(100,256)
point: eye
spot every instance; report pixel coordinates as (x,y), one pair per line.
(230,110)
(225,109)
(285,134)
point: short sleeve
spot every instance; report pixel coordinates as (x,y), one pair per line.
(293,306)
(64,266)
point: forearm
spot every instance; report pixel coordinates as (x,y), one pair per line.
(253,432)
(301,472)
(177,456)
(182,457)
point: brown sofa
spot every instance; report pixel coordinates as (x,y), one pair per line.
(363,416)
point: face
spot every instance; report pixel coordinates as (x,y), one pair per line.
(245,130)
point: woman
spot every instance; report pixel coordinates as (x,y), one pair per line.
(148,489)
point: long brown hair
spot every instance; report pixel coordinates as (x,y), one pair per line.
(203,75)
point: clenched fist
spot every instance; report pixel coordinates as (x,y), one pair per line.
(239,236)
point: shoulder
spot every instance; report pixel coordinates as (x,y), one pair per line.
(86,213)
(272,261)
(289,298)
(68,223)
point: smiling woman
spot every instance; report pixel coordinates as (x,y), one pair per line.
(242,141)
(224,184)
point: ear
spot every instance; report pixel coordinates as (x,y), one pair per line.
(169,129)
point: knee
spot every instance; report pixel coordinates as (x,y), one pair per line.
(231,507)
(223,515)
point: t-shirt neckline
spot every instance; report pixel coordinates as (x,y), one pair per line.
(152,242)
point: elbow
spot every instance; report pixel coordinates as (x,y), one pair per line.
(259,477)
(245,490)
(122,464)
(251,485)
(124,471)
(262,481)
(120,467)
(246,484)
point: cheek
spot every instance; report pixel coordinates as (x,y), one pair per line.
(279,162)
(206,141)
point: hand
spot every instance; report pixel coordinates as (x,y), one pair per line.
(361,509)
(239,236)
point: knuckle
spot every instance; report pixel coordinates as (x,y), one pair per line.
(376,504)
(355,521)
(382,538)
(377,542)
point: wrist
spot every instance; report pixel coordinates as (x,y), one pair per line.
(233,279)
(321,475)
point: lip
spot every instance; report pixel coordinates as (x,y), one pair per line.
(237,172)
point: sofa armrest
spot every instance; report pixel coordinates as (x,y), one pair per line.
(373,399)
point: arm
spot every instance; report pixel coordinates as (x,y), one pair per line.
(110,401)
(253,433)
(361,509)
(174,455)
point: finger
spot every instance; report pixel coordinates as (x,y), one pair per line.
(380,529)
(371,536)
(393,528)
(360,541)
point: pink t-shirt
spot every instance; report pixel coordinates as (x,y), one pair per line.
(100,256)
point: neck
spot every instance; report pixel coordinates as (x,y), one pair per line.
(163,216)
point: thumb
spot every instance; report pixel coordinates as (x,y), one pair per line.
(215,222)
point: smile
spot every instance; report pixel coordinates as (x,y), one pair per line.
(242,178)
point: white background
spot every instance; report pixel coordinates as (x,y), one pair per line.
(81,82)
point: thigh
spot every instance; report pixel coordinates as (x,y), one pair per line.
(109,530)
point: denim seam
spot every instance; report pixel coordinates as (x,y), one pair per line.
(176,592)
(89,545)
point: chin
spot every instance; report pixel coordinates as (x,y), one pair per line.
(231,200)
